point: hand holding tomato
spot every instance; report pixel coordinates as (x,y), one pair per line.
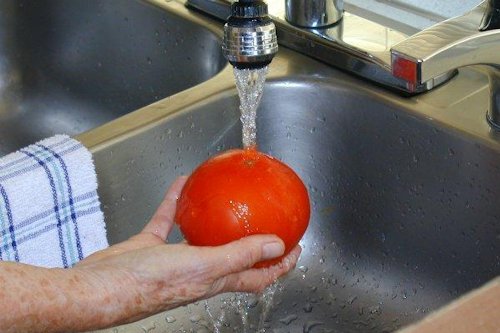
(240,193)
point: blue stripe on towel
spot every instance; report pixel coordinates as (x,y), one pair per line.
(62,198)
(9,221)
(11,171)
(70,195)
(56,205)
(21,160)
(48,227)
(85,199)
(32,227)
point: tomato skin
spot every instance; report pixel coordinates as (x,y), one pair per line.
(240,193)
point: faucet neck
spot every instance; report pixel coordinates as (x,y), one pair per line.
(314,13)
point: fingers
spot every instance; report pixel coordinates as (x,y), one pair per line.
(243,254)
(162,221)
(256,280)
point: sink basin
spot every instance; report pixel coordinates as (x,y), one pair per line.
(69,66)
(404,211)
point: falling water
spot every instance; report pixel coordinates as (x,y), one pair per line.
(240,304)
(250,84)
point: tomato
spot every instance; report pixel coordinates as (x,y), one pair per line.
(240,193)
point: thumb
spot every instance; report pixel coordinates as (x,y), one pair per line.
(163,219)
(242,254)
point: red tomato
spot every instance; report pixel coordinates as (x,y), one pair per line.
(240,193)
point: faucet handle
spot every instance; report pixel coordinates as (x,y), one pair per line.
(431,56)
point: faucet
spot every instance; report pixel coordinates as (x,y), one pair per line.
(411,65)
(249,35)
(322,30)
(314,14)
(471,39)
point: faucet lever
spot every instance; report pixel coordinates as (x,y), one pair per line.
(471,39)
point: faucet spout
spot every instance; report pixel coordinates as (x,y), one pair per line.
(249,35)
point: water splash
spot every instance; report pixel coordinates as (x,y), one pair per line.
(250,84)
(267,300)
(241,304)
(216,320)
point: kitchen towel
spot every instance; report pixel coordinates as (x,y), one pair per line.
(50,213)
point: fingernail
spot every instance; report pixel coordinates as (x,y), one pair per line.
(272,250)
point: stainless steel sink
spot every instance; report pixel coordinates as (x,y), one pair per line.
(404,191)
(69,66)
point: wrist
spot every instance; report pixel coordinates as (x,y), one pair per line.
(105,296)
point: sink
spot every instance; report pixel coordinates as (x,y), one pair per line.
(69,66)
(403,191)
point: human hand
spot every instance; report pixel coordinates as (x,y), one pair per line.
(144,275)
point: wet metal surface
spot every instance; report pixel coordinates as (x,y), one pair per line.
(404,213)
(69,66)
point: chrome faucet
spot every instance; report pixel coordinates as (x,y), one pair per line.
(249,35)
(471,39)
(408,65)
(321,29)
(314,14)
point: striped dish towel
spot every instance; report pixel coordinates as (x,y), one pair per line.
(50,213)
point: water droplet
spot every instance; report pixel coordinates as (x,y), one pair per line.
(374,309)
(288,319)
(308,307)
(351,299)
(149,329)
(171,319)
(303,269)
(309,325)
(195,318)
(203,330)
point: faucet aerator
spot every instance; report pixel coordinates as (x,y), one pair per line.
(249,35)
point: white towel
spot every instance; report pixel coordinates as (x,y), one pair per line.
(50,213)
